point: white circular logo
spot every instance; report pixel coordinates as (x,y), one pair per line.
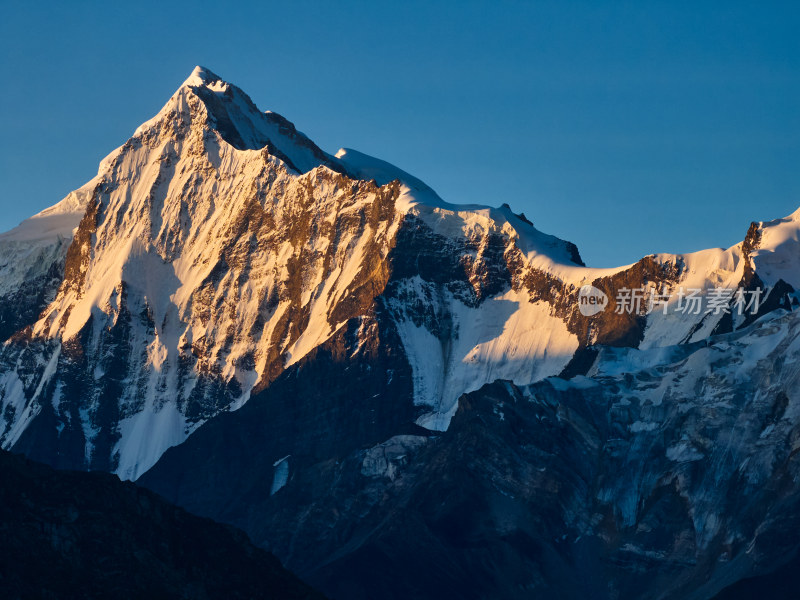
(591,300)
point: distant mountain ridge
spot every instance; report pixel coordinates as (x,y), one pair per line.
(88,535)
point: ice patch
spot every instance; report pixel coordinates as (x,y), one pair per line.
(280,474)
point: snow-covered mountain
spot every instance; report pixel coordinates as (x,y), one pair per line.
(224,277)
(219,245)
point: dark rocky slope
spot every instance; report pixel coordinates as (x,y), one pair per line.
(88,535)
(664,475)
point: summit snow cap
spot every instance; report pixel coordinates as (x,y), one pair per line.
(202,76)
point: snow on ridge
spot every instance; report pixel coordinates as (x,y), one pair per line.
(30,249)
(464,220)
(368,167)
(776,256)
(59,220)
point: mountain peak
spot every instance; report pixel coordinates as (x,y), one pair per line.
(202,76)
(240,123)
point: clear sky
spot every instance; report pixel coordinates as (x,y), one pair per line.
(625,127)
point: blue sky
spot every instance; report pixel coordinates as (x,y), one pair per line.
(627,128)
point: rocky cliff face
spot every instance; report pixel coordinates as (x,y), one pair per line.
(315,321)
